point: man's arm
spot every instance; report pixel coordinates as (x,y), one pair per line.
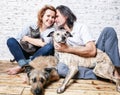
(89,50)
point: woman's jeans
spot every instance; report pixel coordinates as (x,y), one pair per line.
(107,42)
(21,56)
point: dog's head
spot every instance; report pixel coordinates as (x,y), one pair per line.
(60,36)
(38,79)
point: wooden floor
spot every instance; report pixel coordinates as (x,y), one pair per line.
(13,85)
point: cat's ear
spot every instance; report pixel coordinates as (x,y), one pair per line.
(37,29)
(31,29)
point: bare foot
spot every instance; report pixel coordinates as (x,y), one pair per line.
(116,75)
(14,70)
(25,79)
(117,78)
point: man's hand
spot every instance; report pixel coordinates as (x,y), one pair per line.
(61,47)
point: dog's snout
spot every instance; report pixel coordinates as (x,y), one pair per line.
(38,91)
(63,38)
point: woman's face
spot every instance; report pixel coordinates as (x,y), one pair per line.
(48,18)
(60,19)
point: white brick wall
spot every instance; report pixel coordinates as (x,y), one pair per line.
(14,14)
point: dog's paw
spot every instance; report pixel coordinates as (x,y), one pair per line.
(60,90)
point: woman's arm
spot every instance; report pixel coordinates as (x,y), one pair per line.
(35,41)
(25,31)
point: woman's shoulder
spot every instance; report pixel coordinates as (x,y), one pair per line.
(30,24)
(50,29)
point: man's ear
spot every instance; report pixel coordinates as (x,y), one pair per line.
(69,34)
(50,34)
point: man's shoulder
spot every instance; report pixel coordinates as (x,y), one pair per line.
(80,24)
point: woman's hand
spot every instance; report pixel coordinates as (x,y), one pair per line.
(34,41)
(25,38)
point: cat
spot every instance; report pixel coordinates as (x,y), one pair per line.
(28,47)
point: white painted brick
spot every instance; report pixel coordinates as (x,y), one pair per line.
(14,14)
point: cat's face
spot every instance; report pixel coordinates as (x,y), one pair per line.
(34,33)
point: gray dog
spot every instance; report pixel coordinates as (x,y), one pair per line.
(101,63)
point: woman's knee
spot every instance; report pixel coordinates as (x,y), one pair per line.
(11,41)
(49,46)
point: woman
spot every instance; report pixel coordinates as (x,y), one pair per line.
(107,42)
(46,18)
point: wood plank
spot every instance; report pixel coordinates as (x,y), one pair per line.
(10,90)
(81,92)
(85,87)
(13,85)
(83,81)
(27,91)
(73,92)
(16,80)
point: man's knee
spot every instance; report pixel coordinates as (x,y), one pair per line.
(62,69)
(110,30)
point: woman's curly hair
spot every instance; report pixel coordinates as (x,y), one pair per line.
(42,12)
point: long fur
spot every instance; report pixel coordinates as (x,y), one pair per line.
(43,72)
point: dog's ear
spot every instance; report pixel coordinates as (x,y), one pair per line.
(50,34)
(28,70)
(48,69)
(47,73)
(69,34)
(28,74)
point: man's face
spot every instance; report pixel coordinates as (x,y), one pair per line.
(60,19)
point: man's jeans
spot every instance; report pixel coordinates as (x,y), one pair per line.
(107,42)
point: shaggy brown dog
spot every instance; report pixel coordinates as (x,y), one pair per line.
(43,73)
